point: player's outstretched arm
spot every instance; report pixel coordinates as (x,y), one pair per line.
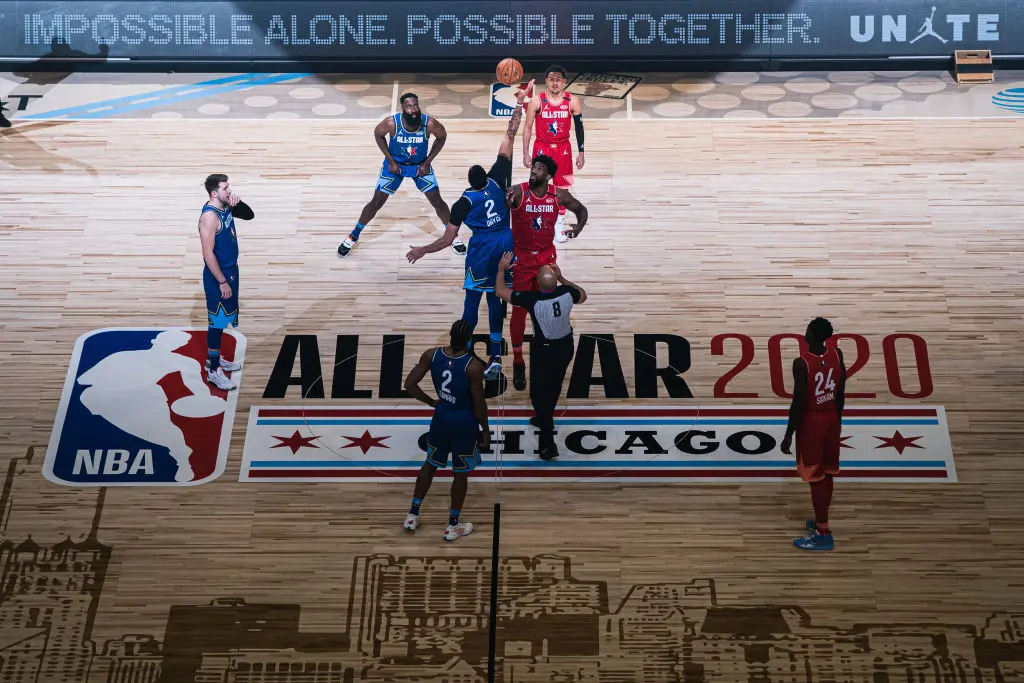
(796,408)
(418,372)
(501,289)
(580,211)
(505,149)
(475,374)
(442,242)
(460,209)
(532,107)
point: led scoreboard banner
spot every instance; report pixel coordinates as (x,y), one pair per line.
(460,29)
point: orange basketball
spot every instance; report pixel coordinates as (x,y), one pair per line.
(509,71)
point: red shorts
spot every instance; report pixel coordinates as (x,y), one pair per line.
(817,446)
(561,152)
(524,276)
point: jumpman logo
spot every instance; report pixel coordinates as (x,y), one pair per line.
(123,389)
(927,30)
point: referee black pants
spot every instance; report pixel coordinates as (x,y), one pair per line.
(549,361)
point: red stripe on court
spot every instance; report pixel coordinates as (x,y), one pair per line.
(396,413)
(552,473)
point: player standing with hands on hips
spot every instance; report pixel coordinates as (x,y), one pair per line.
(551,111)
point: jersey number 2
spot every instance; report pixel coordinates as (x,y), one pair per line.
(829,384)
(447,376)
(490,208)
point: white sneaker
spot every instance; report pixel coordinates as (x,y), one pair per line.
(228,365)
(220,380)
(454,533)
(411,522)
(459,247)
(560,229)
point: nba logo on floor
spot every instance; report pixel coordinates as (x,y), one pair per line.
(137,410)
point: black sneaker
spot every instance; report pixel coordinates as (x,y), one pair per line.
(345,248)
(4,123)
(548,452)
(459,247)
(519,376)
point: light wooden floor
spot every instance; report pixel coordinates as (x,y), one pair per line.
(697,228)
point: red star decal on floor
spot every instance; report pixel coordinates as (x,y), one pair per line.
(899,442)
(842,442)
(295,442)
(366,442)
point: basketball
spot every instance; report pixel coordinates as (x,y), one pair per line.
(509,71)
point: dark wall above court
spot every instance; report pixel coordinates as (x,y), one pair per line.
(480,32)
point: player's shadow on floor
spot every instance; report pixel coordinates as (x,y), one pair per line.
(19,150)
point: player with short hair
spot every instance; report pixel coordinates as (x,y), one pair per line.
(550,113)
(483,209)
(816,414)
(458,427)
(535,209)
(405,156)
(220,270)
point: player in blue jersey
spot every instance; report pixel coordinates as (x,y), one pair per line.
(405,156)
(459,425)
(484,210)
(220,273)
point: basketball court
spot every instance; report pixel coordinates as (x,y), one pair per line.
(726,211)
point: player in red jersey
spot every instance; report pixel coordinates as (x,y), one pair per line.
(816,414)
(551,111)
(535,210)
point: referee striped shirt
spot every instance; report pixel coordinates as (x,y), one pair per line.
(549,310)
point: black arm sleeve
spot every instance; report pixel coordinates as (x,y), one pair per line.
(578,120)
(524,300)
(460,209)
(573,292)
(501,172)
(243,211)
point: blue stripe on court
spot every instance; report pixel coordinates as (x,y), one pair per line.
(182,93)
(781,422)
(669,464)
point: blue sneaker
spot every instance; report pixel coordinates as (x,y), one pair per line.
(493,370)
(815,541)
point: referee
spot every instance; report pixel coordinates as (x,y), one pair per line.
(552,348)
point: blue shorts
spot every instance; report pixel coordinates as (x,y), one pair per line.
(388,182)
(453,432)
(221,312)
(482,257)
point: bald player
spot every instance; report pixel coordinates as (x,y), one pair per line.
(552,348)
